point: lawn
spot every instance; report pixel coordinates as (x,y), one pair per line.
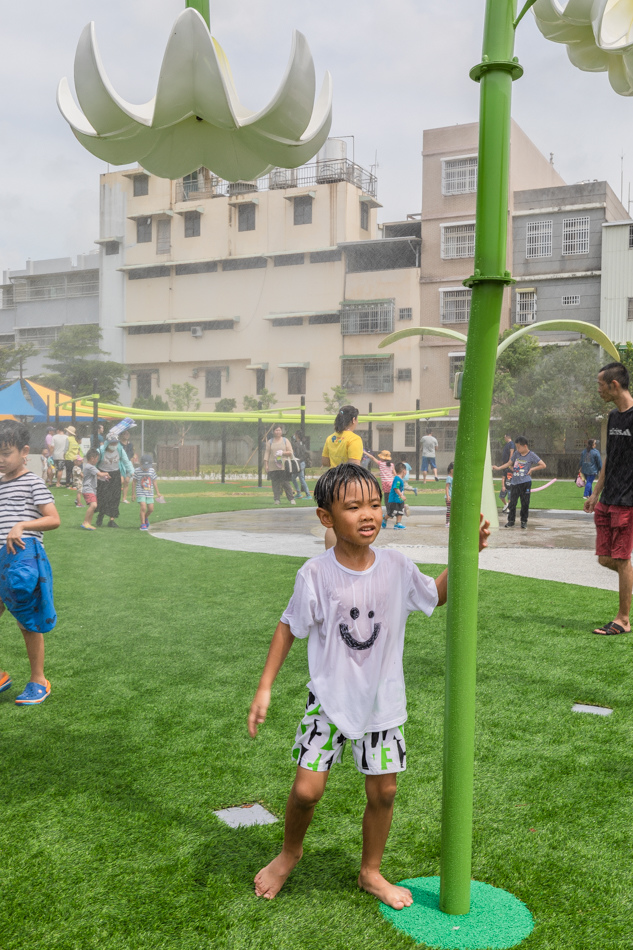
(108,834)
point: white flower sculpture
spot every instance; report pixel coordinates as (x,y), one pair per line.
(196,118)
(598,35)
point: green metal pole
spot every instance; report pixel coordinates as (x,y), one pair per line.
(495,74)
(202,6)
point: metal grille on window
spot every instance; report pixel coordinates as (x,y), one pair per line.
(190,184)
(538,239)
(630,235)
(213,383)
(570,300)
(143,385)
(367,376)
(140,185)
(459,176)
(192,224)
(296,380)
(364,216)
(629,310)
(163,236)
(455,306)
(458,240)
(143,230)
(576,235)
(302,209)
(405,313)
(246,217)
(409,435)
(41,336)
(455,365)
(526,306)
(368,317)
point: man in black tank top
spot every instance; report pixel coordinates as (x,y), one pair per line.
(612,496)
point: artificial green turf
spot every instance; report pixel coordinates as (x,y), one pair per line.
(108,835)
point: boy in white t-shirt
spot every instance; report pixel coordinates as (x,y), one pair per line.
(352,603)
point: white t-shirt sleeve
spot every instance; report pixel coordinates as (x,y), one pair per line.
(300,614)
(421,592)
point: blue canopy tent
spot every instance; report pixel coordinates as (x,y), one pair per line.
(14,403)
(35,397)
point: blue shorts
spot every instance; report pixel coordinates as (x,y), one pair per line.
(428,463)
(26,586)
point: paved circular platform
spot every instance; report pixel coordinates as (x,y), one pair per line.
(557,545)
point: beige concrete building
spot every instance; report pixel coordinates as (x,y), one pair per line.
(290,283)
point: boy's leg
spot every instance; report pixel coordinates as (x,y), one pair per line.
(381,792)
(306,791)
(35,651)
(92,507)
(149,510)
(512,504)
(525,501)
(142,510)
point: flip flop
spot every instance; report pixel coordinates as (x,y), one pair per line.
(5,682)
(610,629)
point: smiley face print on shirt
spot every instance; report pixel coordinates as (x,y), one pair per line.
(350,640)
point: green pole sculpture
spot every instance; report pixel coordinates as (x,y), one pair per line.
(495,74)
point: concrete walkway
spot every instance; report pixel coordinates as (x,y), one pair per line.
(557,546)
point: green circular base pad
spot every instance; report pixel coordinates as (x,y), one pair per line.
(497,920)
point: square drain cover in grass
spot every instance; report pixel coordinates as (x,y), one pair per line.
(245,815)
(596,710)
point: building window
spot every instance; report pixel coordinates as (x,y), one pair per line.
(213,383)
(40,336)
(260,381)
(364,216)
(570,300)
(111,247)
(288,260)
(630,235)
(576,235)
(143,385)
(459,176)
(143,230)
(526,306)
(538,240)
(190,184)
(163,236)
(192,224)
(296,380)
(405,313)
(140,185)
(629,310)
(458,240)
(302,209)
(367,317)
(404,375)
(409,435)
(455,306)
(367,376)
(246,217)
(455,365)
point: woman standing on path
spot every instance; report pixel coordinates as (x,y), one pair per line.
(590,465)
(113,460)
(342,446)
(278,450)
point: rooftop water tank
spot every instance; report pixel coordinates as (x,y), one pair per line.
(332,161)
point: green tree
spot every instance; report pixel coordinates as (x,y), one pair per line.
(338,398)
(226,405)
(154,432)
(626,355)
(12,358)
(519,358)
(183,397)
(74,364)
(265,400)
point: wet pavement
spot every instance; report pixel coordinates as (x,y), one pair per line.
(557,545)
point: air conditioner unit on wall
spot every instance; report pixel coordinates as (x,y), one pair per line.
(196,331)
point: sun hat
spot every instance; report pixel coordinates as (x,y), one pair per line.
(385,455)
(72,430)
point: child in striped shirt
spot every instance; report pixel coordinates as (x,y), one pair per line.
(146,484)
(26,580)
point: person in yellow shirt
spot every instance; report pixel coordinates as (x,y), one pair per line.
(73,450)
(342,446)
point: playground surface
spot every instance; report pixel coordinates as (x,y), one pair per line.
(558,545)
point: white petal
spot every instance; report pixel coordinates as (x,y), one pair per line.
(613,24)
(587,56)
(192,80)
(290,109)
(105,110)
(70,110)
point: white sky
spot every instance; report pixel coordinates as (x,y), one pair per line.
(398,67)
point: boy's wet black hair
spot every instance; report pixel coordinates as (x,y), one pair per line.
(521,440)
(400,467)
(14,434)
(92,453)
(451,465)
(333,484)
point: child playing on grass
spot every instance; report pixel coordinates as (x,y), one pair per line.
(448,491)
(26,580)
(395,501)
(89,486)
(78,480)
(352,603)
(146,484)
(387,475)
(522,464)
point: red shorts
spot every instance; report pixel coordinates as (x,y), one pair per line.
(90,498)
(614,531)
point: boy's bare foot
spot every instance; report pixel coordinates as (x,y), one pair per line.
(391,894)
(272,878)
